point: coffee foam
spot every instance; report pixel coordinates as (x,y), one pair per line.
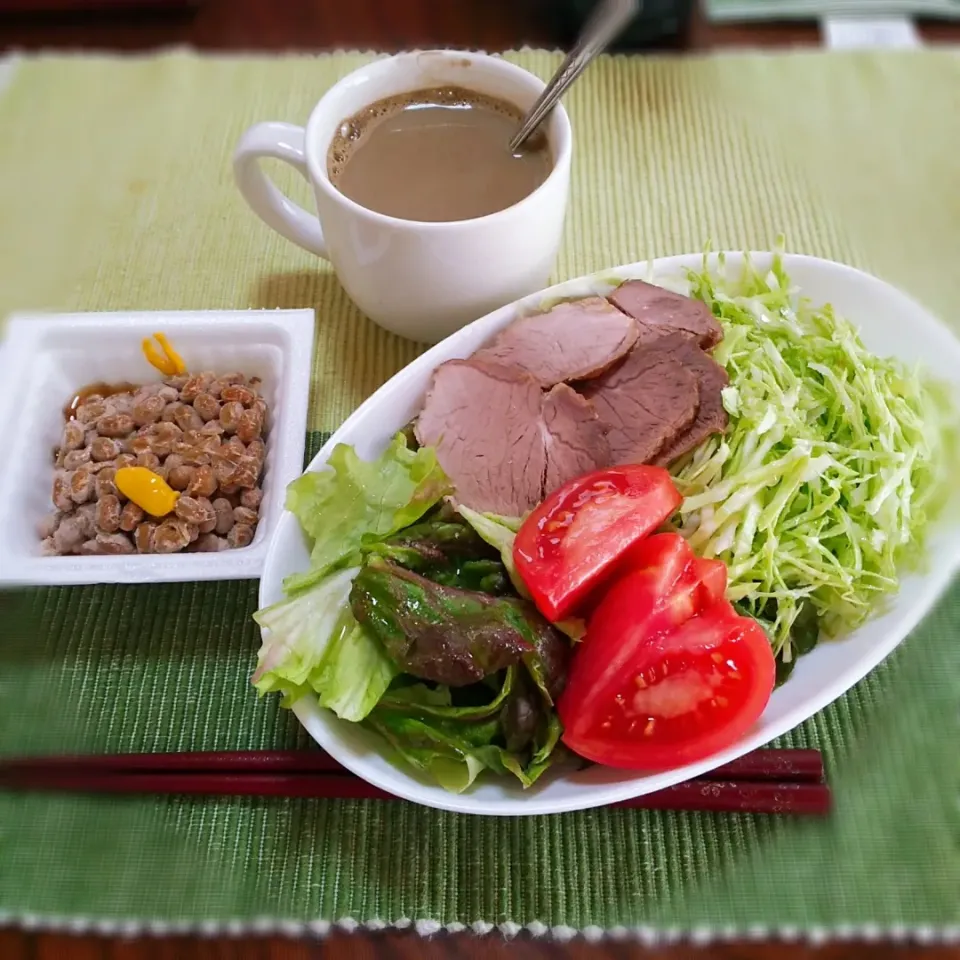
(353,130)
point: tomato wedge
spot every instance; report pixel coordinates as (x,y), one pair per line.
(660,590)
(713,577)
(580,532)
(667,673)
(668,558)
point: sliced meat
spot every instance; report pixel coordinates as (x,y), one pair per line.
(500,438)
(575,340)
(659,311)
(484,420)
(649,401)
(575,437)
(711,417)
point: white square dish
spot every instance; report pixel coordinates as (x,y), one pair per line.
(46,358)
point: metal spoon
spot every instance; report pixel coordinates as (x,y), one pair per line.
(602,27)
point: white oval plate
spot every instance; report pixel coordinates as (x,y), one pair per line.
(891,324)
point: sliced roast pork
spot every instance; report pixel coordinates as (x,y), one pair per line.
(499,437)
(575,437)
(711,417)
(648,401)
(575,340)
(662,401)
(659,311)
(484,420)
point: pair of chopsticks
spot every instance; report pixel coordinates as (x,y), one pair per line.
(786,782)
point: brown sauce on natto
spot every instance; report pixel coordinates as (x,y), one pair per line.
(99,389)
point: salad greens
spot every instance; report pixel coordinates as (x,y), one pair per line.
(446,551)
(312,642)
(435,632)
(501,532)
(339,506)
(407,622)
(511,732)
(830,471)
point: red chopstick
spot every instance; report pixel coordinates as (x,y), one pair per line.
(778,765)
(798,765)
(229,761)
(719,796)
(314,774)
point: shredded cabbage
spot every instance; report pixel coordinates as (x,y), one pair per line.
(831,470)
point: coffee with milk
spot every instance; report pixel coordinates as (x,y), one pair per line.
(439,154)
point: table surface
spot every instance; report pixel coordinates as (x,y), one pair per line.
(405,946)
(385,25)
(379,24)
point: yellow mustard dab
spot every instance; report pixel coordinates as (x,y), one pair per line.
(169,362)
(148,490)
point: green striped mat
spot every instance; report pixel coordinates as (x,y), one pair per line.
(116,193)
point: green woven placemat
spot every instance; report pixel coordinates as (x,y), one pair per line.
(116,193)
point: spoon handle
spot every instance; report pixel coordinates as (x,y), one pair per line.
(606,21)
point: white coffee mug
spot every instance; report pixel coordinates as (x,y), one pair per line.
(418,279)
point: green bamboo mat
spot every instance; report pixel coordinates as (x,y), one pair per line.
(116,193)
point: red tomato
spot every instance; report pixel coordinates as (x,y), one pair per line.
(713,577)
(667,673)
(661,590)
(581,530)
(668,557)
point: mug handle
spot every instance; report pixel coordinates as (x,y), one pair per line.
(282,141)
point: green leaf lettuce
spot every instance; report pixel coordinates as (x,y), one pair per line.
(313,643)
(351,498)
